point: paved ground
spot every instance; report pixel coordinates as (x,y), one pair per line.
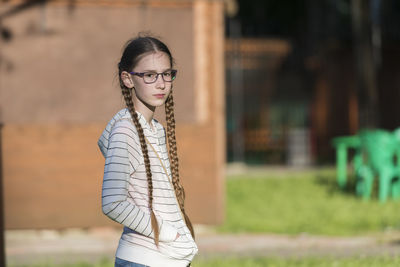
(73,245)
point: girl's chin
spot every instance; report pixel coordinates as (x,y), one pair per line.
(157,103)
(153,103)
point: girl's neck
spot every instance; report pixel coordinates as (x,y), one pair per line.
(147,111)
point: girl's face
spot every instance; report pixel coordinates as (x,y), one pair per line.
(150,95)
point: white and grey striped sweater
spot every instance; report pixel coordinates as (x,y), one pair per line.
(125,195)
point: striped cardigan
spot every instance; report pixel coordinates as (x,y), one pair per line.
(125,195)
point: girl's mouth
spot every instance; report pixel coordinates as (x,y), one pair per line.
(159,95)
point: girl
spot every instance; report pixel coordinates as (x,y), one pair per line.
(141,187)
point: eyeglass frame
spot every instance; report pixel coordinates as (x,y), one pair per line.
(141,74)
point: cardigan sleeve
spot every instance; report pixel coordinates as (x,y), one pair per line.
(123,156)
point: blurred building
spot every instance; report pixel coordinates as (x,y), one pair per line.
(58,89)
(302,72)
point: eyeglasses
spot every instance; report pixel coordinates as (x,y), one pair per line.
(151,77)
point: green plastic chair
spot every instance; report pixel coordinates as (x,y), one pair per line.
(396,134)
(343,144)
(379,150)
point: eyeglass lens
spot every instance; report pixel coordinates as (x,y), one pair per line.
(151,77)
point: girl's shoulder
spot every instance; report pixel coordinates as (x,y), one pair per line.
(123,119)
(118,126)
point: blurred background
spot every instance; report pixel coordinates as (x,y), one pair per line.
(301,72)
(263,88)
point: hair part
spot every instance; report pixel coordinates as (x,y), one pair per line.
(135,50)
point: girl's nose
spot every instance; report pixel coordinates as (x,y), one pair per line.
(160,83)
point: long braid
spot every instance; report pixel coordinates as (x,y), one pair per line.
(127,94)
(173,155)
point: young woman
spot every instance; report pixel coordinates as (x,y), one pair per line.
(141,187)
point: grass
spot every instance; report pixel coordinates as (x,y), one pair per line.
(102,263)
(304,202)
(268,262)
(305,262)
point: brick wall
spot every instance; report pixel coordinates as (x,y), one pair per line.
(58,89)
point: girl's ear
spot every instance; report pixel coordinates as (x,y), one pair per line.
(127,79)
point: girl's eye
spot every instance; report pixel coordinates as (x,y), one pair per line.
(150,75)
(167,74)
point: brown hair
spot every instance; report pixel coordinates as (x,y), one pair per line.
(134,50)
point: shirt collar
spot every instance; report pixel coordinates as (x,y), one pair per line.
(145,125)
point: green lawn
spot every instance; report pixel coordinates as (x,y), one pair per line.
(303,202)
(306,262)
(266,262)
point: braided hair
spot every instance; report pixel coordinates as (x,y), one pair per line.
(134,50)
